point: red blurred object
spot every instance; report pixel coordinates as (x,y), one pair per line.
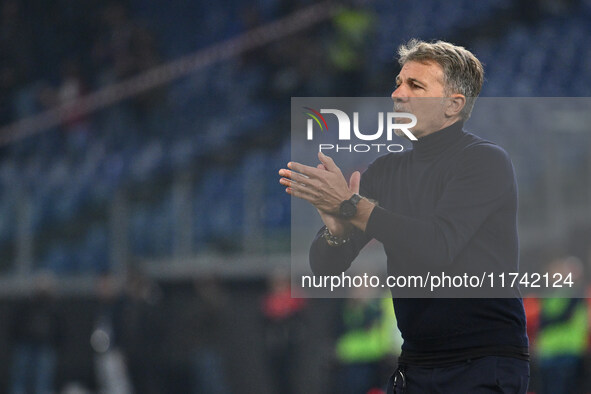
(279,304)
(532,314)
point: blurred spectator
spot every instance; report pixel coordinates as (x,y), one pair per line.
(197,332)
(74,388)
(367,343)
(208,365)
(142,330)
(110,364)
(37,332)
(70,89)
(532,308)
(562,339)
(587,361)
(532,315)
(349,52)
(282,315)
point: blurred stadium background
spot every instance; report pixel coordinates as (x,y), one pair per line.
(143,233)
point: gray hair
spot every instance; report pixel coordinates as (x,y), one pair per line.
(462,71)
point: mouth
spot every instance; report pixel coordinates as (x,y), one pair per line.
(399,108)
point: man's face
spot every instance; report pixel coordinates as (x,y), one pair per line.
(420,90)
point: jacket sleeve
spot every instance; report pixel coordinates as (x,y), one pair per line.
(480,184)
(331,260)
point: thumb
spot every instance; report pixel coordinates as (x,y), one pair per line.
(355,181)
(328,162)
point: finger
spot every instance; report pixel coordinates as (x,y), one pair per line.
(355,181)
(285,173)
(309,189)
(311,172)
(285,182)
(328,163)
(297,177)
(301,192)
(291,183)
(321,167)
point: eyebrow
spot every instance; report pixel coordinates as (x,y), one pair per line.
(413,80)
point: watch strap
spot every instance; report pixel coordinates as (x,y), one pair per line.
(355,198)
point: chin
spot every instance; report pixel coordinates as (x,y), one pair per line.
(400,133)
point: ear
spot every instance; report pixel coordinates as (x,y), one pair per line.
(455,104)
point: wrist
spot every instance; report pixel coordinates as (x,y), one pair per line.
(341,230)
(364,212)
(348,208)
(335,240)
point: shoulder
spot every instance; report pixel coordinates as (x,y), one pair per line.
(484,159)
(483,152)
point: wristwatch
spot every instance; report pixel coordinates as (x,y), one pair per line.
(348,208)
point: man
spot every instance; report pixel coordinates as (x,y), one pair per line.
(451,201)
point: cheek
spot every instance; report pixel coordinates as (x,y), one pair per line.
(428,114)
(435,89)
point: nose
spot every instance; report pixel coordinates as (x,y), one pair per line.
(394,93)
(398,95)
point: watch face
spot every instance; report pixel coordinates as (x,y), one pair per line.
(347,209)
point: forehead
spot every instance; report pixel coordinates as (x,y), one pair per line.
(428,72)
